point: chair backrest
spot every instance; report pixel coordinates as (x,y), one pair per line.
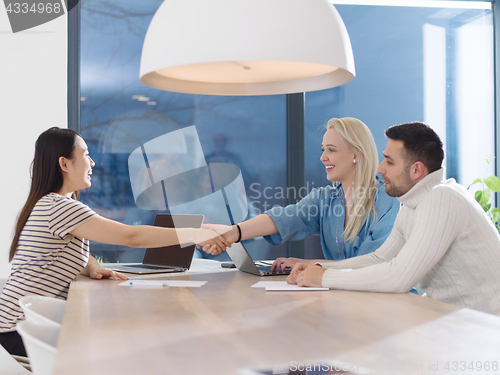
(9,366)
(43,309)
(40,341)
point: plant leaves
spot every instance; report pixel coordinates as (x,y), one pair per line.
(475,182)
(478,195)
(482,196)
(495,214)
(493,182)
(485,197)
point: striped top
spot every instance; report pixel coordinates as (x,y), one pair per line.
(48,258)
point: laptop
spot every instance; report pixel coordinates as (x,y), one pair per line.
(169,258)
(243,261)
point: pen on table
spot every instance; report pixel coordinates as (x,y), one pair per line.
(142,283)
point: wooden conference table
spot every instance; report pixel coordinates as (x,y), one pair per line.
(225,327)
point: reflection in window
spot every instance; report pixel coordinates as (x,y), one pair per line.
(120,115)
(414,64)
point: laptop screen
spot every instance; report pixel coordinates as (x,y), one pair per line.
(174,256)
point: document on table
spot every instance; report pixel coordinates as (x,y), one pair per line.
(162,283)
(283,286)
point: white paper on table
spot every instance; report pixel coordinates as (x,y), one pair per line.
(278,286)
(184,283)
(262,284)
(161,283)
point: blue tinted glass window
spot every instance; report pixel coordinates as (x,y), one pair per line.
(414,64)
(119,115)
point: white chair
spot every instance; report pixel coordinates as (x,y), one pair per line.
(9,366)
(23,361)
(43,309)
(3,281)
(40,341)
(6,364)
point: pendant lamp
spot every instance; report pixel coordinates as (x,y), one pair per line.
(246,47)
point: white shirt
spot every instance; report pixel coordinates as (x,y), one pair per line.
(441,239)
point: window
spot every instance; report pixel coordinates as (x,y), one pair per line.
(414,64)
(418,63)
(119,114)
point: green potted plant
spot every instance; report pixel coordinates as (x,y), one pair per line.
(482,196)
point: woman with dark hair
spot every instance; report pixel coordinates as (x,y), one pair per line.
(51,240)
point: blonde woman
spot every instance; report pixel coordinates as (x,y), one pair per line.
(353,216)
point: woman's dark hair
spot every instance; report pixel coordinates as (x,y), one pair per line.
(46,174)
(421,143)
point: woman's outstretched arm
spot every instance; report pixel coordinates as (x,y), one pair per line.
(104,230)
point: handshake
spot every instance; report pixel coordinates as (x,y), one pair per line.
(218,237)
(223,236)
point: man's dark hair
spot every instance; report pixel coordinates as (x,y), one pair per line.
(421,143)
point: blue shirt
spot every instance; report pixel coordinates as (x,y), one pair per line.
(322,212)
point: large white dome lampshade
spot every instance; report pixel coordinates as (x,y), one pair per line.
(246,47)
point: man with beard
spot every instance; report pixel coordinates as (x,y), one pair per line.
(442,238)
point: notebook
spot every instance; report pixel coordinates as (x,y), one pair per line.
(243,261)
(169,258)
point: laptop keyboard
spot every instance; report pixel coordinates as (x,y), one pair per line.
(267,270)
(148,266)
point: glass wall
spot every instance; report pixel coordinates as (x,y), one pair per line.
(119,114)
(412,63)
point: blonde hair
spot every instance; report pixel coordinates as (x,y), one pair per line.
(360,138)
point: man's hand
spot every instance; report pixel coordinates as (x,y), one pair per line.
(282,263)
(304,274)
